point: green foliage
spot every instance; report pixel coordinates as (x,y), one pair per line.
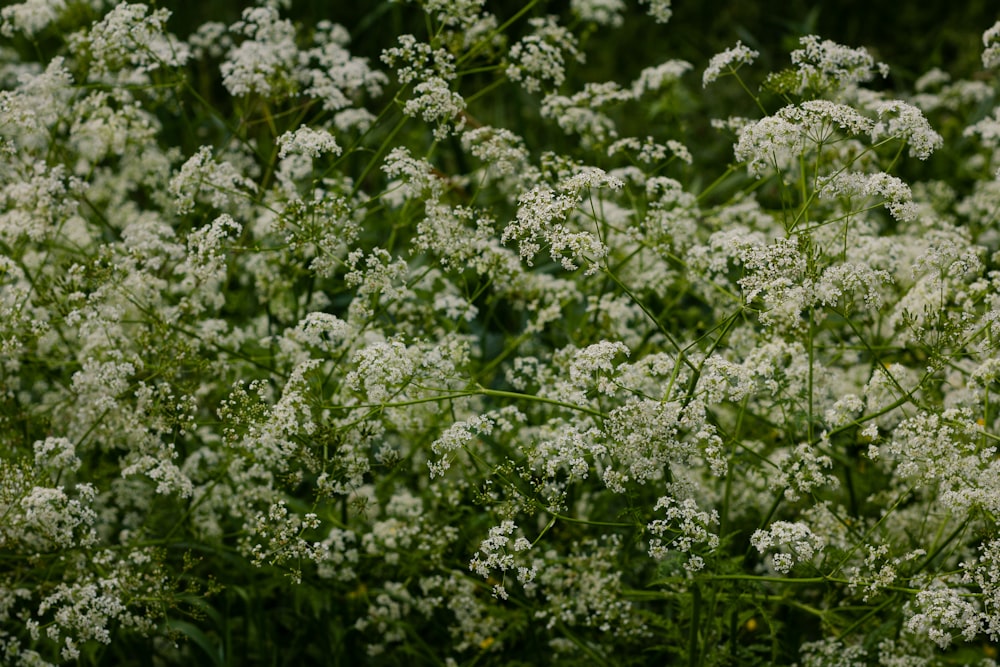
(441,333)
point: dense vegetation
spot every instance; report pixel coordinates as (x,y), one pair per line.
(465,333)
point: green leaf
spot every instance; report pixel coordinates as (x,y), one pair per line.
(194,633)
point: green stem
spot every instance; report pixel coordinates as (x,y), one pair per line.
(477,391)
(695,622)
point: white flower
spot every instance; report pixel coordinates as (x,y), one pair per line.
(56,454)
(265,59)
(801,470)
(307,141)
(826,64)
(418,61)
(353,119)
(457,436)
(500,149)
(898,198)
(659,9)
(131,35)
(991,40)
(493,554)
(652,79)
(203,178)
(322,330)
(539,56)
(52,518)
(780,139)
(543,218)
(465,14)
(596,360)
(899,120)
(649,152)
(601,12)
(685,528)
(435,102)
(794,542)
(937,611)
(728,61)
(417,175)
(332,75)
(578,114)
(381,367)
(30,17)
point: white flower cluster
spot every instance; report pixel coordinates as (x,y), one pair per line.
(541,56)
(602,12)
(899,120)
(584,591)
(203,178)
(652,79)
(776,273)
(381,368)
(130,36)
(985,573)
(595,362)
(436,103)
(645,436)
(801,471)
(991,40)
(780,139)
(417,176)
(545,218)
(896,195)
(283,544)
(659,9)
(309,142)
(267,51)
(457,436)
(468,15)
(562,455)
(37,203)
(649,152)
(268,61)
(336,78)
(91,608)
(389,607)
(945,453)
(727,62)
(823,64)
(418,61)
(844,411)
(377,280)
(204,268)
(500,149)
(245,303)
(832,653)
(464,238)
(49,518)
(405,530)
(685,529)
(842,281)
(879,571)
(30,17)
(500,552)
(937,611)
(793,543)
(935,90)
